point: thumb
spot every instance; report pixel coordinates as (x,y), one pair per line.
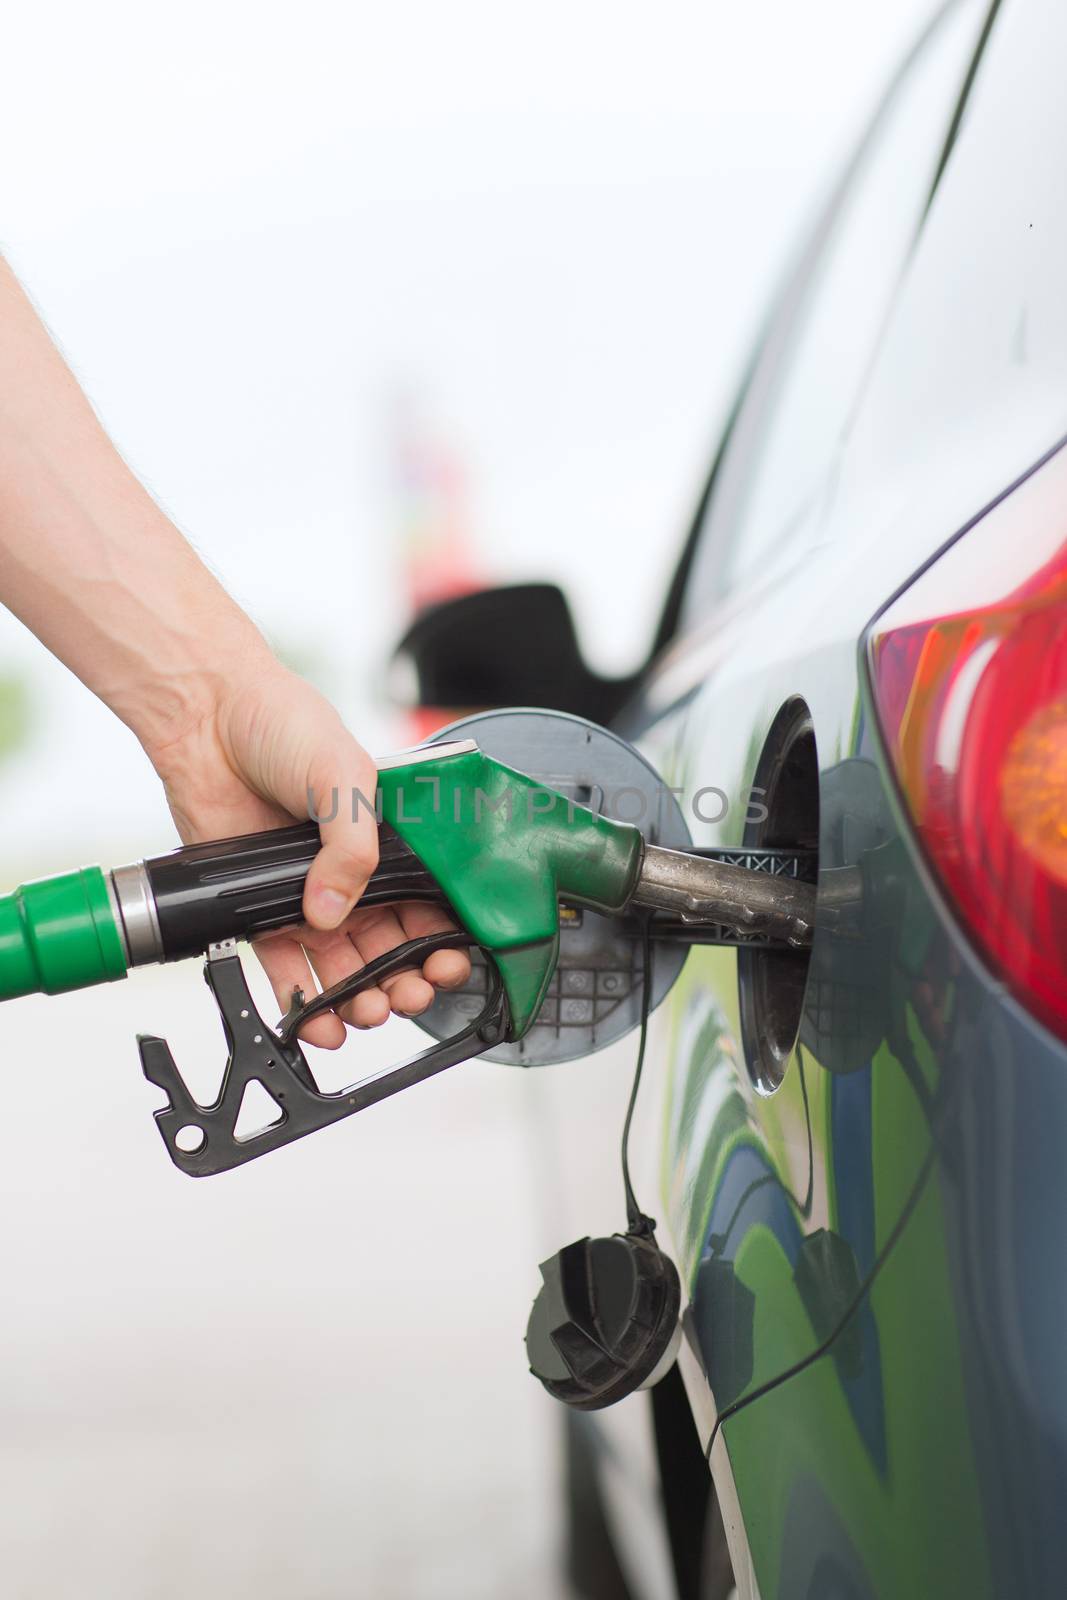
(341,798)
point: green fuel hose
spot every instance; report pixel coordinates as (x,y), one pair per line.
(60,933)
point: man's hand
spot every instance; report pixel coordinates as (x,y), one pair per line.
(105,580)
(251,762)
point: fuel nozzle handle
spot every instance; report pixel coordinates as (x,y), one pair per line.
(498,848)
(177,905)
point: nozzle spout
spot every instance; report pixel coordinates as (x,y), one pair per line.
(701,890)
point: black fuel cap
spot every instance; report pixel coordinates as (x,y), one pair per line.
(604,1319)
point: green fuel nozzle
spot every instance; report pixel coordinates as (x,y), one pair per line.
(500,850)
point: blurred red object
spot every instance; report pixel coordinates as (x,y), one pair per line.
(438,553)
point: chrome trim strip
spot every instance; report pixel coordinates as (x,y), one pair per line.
(702,1404)
(694,1378)
(137,913)
(722,1474)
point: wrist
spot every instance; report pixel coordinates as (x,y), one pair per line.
(168,708)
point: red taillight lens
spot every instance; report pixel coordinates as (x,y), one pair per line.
(969,668)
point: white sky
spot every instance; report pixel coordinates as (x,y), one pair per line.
(249,226)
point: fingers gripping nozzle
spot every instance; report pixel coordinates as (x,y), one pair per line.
(497,849)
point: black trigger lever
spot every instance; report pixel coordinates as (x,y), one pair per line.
(203,1140)
(411,954)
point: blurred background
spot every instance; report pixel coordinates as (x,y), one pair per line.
(382,302)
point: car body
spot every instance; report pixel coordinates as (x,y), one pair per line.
(860,1160)
(868,1228)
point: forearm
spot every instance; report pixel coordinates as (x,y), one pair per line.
(87,559)
(105,580)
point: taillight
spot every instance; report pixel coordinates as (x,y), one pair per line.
(969,669)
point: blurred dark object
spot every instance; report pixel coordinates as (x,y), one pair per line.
(511,646)
(591,1560)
